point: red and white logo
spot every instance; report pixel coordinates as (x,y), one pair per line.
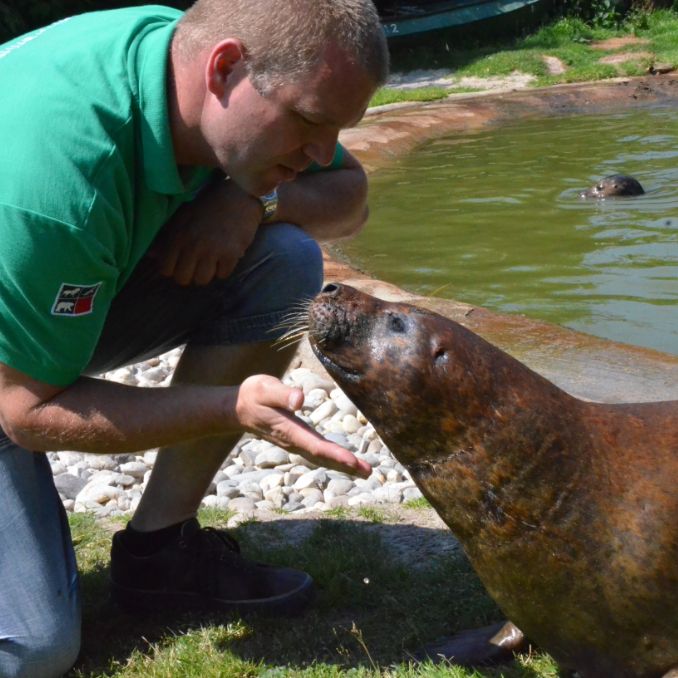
(75,300)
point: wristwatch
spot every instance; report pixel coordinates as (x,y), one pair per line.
(270,204)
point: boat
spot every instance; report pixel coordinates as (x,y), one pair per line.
(405,20)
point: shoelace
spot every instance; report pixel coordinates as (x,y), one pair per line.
(222,536)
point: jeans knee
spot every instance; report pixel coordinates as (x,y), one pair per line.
(45,656)
(296,261)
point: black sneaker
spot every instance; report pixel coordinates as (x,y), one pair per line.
(202,569)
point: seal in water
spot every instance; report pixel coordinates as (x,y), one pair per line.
(567,509)
(612,186)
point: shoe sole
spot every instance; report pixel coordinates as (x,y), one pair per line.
(148,602)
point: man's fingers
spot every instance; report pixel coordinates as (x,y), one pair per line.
(311,445)
(273,418)
(295,399)
(336,457)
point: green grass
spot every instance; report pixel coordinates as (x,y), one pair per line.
(388,95)
(372,513)
(371,613)
(421,503)
(567,39)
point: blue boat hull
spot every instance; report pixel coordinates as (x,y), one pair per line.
(418,19)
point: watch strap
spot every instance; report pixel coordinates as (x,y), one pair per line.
(269,202)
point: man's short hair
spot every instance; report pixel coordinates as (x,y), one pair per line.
(285,39)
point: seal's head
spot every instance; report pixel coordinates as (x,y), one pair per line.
(427,384)
(395,362)
(613,186)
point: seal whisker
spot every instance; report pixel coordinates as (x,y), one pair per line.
(298,327)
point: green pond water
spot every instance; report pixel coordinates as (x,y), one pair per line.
(494,219)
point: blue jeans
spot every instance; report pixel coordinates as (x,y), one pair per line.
(39,598)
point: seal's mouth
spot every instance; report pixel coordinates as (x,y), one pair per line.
(346,373)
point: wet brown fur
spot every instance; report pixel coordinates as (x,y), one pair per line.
(613,186)
(568,510)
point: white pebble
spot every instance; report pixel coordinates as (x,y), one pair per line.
(227,489)
(334,426)
(311,497)
(327,409)
(394,476)
(276,496)
(150,457)
(271,458)
(69,485)
(243,505)
(314,398)
(337,487)
(412,493)
(70,458)
(134,468)
(316,479)
(97,492)
(343,402)
(360,499)
(57,468)
(388,494)
(272,480)
(350,423)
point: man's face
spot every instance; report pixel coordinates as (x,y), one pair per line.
(262,141)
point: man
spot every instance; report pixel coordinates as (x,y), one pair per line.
(140,153)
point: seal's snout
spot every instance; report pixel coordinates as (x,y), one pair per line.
(329,321)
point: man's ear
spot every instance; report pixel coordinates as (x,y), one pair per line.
(220,65)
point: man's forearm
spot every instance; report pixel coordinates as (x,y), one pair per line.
(94,415)
(327,205)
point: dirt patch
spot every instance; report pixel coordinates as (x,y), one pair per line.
(625,57)
(447,79)
(506,83)
(554,65)
(618,43)
(415,537)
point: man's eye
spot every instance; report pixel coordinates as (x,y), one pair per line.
(306,120)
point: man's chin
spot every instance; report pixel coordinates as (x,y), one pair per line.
(264,183)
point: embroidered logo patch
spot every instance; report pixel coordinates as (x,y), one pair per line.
(75,299)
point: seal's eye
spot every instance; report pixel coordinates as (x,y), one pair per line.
(396,324)
(440,356)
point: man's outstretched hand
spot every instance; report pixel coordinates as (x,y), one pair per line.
(266,406)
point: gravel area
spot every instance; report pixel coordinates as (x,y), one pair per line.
(258,477)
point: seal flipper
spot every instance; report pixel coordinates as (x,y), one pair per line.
(493,644)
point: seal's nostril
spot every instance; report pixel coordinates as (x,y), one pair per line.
(330,288)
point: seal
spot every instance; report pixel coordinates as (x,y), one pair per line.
(566,509)
(612,186)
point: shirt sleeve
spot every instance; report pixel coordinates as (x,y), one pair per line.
(56,285)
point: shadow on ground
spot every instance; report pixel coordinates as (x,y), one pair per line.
(379,599)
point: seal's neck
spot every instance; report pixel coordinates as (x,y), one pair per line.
(511,459)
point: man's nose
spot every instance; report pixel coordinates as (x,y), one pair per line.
(322,146)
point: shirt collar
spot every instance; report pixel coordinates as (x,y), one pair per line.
(161,173)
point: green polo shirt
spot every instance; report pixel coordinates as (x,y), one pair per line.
(87,178)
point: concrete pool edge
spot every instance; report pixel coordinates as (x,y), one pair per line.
(581,364)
